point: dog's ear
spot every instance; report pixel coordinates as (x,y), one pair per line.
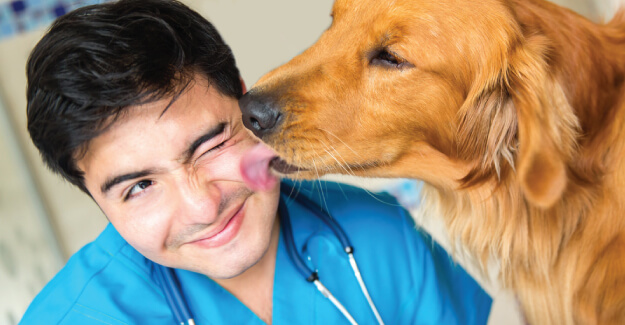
(487,133)
(547,125)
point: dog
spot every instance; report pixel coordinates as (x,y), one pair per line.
(512,112)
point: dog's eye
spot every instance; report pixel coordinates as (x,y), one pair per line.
(388,59)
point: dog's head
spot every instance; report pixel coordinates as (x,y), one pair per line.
(454,92)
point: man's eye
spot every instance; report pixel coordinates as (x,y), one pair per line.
(138,188)
(215,148)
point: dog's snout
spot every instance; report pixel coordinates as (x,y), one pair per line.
(260,114)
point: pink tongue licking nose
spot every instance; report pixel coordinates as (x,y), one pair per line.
(255,168)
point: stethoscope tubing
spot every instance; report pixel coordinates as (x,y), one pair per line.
(310,275)
(323,215)
(173,294)
(178,305)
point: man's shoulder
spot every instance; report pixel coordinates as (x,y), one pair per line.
(104,265)
(399,261)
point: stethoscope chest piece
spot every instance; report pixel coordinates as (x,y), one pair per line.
(311,274)
(306,266)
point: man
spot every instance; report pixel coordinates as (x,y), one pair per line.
(135,102)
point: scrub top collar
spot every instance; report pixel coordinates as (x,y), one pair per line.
(294,299)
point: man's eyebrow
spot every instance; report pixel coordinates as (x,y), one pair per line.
(217,130)
(112,181)
(186,156)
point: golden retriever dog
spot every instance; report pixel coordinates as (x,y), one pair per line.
(511,111)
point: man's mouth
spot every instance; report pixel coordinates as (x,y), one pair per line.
(224,232)
(256,168)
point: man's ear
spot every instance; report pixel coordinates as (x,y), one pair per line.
(243,85)
(547,126)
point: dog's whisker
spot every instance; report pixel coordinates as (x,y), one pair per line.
(343,142)
(525,208)
(337,161)
(323,199)
(349,172)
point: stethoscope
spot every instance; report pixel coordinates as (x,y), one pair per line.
(175,299)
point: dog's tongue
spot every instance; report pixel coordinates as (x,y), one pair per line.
(255,168)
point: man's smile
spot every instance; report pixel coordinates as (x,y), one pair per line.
(225,231)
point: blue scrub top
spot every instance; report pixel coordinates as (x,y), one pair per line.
(411,279)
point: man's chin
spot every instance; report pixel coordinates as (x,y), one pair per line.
(227,273)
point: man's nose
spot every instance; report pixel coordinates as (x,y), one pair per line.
(199,204)
(261,114)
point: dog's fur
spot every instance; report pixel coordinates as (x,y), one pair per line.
(511,111)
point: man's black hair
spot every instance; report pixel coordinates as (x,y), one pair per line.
(98,60)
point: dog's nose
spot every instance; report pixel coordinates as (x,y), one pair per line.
(260,114)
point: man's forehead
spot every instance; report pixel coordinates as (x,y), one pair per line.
(196,105)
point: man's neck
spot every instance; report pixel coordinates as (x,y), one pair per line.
(254,287)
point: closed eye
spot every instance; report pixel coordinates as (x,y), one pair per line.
(213,149)
(139,187)
(388,59)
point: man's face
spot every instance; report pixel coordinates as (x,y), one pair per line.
(170,184)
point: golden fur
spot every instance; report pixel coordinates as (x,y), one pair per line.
(511,111)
